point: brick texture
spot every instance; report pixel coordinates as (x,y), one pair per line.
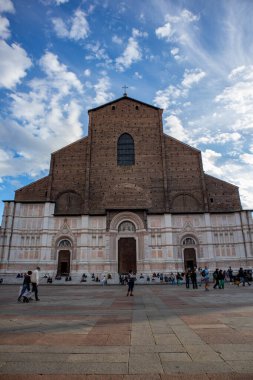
(167,176)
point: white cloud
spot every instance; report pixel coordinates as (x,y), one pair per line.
(4,28)
(235,172)
(175,26)
(59,2)
(137,75)
(132,52)
(164,31)
(49,118)
(192,76)
(239,96)
(174,127)
(210,158)
(96,52)
(165,98)
(217,138)
(247,158)
(58,73)
(102,91)
(87,72)
(117,40)
(76,28)
(6,6)
(13,64)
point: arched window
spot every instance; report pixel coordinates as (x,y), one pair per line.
(125,150)
(188,241)
(64,243)
(127,226)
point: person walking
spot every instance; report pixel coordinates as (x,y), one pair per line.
(26,284)
(35,282)
(130,282)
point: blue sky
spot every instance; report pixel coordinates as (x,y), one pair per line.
(59,58)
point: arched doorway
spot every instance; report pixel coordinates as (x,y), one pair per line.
(126,255)
(63,266)
(190,260)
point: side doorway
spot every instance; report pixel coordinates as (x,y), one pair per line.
(63,267)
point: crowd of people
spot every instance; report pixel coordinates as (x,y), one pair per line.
(192,276)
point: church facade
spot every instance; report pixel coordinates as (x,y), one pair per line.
(127,196)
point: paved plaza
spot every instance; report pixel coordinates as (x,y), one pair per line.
(164,332)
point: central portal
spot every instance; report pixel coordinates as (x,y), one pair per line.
(126,255)
(190,261)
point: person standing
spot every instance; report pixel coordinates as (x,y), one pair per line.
(230,274)
(194,279)
(130,282)
(205,274)
(221,278)
(215,278)
(35,282)
(187,278)
(26,284)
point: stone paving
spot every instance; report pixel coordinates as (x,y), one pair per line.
(93,332)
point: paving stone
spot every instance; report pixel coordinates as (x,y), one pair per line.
(175,357)
(145,363)
(93,333)
(195,367)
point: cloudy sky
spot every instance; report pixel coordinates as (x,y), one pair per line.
(59,58)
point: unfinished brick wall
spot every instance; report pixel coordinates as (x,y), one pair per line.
(222,196)
(68,176)
(36,191)
(184,176)
(126,187)
(167,175)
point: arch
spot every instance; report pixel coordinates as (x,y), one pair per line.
(125,150)
(126,226)
(188,241)
(126,216)
(68,203)
(189,246)
(185,203)
(64,243)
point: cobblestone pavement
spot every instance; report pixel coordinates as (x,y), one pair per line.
(92,332)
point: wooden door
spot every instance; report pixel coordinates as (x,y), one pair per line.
(126,255)
(63,268)
(190,258)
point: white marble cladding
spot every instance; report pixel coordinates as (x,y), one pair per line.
(30,234)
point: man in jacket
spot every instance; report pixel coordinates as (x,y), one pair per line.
(35,282)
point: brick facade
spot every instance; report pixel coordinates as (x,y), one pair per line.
(93,208)
(167,175)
